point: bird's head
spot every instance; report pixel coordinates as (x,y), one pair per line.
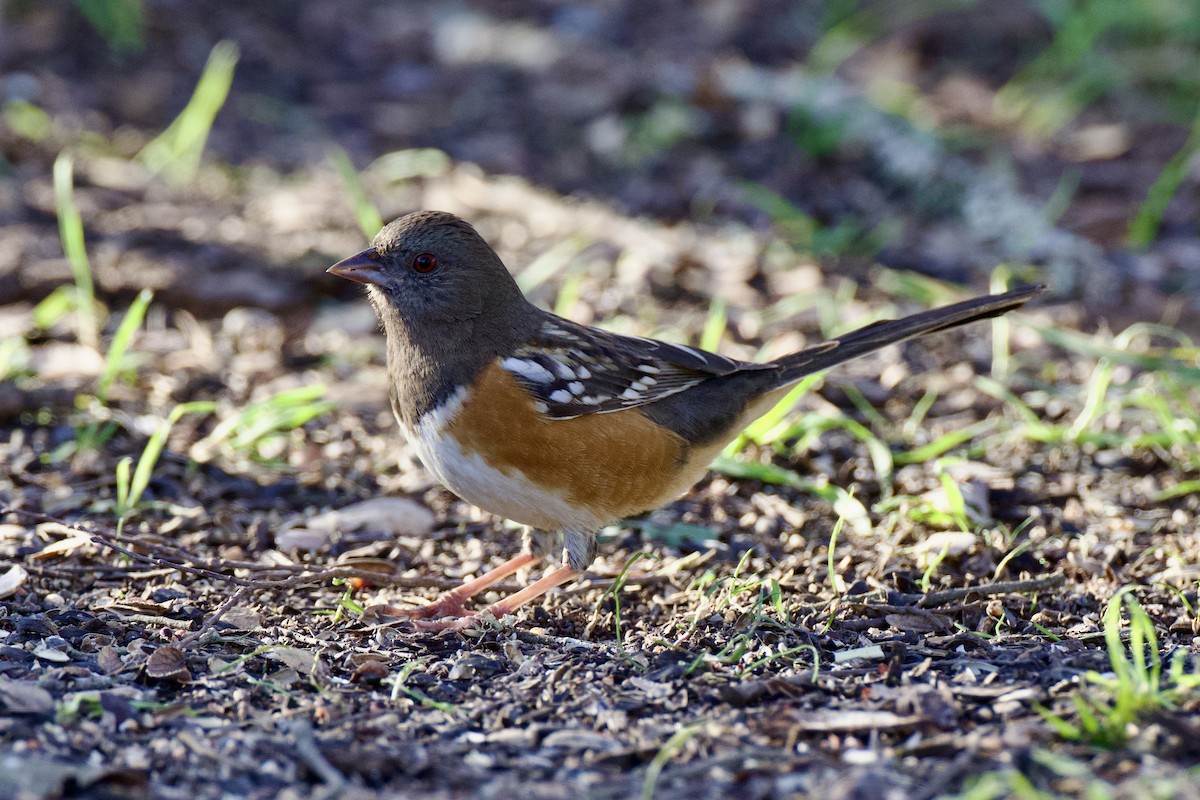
(445,298)
(432,270)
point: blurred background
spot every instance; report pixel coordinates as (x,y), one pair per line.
(945,137)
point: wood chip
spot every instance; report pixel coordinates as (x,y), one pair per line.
(24,697)
(12,579)
(856,721)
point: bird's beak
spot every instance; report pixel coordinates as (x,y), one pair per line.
(361,267)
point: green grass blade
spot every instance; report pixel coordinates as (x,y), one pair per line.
(944,443)
(27,120)
(1094,405)
(919,412)
(55,306)
(668,751)
(830,553)
(860,401)
(559,257)
(121,340)
(767,473)
(762,430)
(403,165)
(1144,228)
(70,229)
(365,212)
(1093,346)
(176,152)
(155,445)
(714,325)
(615,592)
(843,502)
(247,428)
(122,23)
(122,507)
(569,292)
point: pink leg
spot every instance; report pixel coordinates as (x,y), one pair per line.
(451,603)
(506,606)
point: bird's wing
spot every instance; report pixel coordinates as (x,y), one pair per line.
(572,369)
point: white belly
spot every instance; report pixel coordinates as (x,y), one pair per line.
(509,493)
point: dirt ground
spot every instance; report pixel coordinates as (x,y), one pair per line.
(810,620)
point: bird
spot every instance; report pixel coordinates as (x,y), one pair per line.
(563,427)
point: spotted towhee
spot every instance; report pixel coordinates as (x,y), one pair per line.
(560,426)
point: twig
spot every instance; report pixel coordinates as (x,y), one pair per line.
(566,642)
(270,576)
(213,618)
(310,754)
(1001,587)
(633,583)
(113,542)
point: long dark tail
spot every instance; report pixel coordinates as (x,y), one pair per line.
(889,331)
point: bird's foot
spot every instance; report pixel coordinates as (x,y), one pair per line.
(475,619)
(447,614)
(449,605)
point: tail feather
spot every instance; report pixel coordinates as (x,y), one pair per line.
(889,331)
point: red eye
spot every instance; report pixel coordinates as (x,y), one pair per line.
(424,263)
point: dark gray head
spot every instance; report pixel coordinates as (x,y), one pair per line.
(448,305)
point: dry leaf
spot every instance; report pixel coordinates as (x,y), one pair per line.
(243,618)
(578,739)
(917,623)
(302,661)
(168,664)
(392,515)
(110,660)
(371,668)
(136,605)
(653,689)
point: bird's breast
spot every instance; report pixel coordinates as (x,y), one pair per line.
(490,445)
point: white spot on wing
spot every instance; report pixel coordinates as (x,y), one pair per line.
(576,387)
(530,370)
(564,371)
(630,394)
(582,372)
(561,396)
(650,368)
